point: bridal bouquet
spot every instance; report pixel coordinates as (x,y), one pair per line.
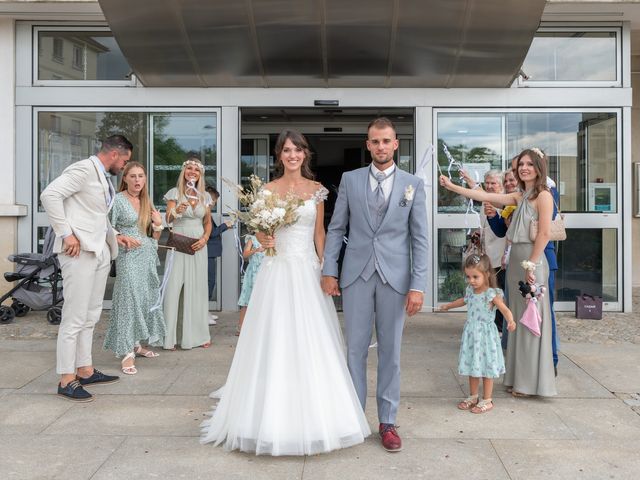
(265,211)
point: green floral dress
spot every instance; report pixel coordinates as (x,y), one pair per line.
(136,288)
(480,351)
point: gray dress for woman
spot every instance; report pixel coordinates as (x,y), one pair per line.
(188,284)
(136,289)
(529,362)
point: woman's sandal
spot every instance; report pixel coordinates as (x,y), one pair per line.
(483,407)
(206,345)
(469,402)
(130,370)
(519,394)
(140,352)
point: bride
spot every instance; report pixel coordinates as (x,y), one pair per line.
(289,391)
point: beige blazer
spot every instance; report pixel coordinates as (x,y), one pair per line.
(76,202)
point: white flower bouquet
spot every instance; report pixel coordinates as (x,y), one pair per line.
(265,211)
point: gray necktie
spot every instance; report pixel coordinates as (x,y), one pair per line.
(379,193)
(112,191)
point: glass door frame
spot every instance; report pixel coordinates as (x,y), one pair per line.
(40,219)
(572,220)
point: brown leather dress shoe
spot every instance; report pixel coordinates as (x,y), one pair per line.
(391,441)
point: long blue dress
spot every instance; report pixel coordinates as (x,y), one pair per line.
(136,288)
(480,351)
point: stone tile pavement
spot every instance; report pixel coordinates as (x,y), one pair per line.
(146,426)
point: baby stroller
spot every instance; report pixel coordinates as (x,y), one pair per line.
(39,284)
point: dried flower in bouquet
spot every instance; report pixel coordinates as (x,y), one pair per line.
(265,211)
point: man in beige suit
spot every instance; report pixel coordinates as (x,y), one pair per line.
(77,203)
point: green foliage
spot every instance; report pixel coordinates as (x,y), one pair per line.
(453,286)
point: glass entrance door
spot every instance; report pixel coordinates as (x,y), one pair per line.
(161,142)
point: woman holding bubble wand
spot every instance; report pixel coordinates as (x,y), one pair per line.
(189,211)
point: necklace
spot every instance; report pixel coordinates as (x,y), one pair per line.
(137,197)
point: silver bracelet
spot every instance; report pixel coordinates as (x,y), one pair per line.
(157,228)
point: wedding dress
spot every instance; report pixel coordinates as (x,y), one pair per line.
(289,391)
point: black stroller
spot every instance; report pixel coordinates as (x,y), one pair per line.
(39,284)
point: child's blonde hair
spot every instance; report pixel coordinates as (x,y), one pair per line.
(483,265)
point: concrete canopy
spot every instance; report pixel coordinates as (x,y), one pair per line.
(324,43)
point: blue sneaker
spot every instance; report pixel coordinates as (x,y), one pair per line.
(98,378)
(73,391)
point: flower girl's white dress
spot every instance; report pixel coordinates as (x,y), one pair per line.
(288,391)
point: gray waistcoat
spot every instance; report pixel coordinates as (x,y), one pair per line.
(376,218)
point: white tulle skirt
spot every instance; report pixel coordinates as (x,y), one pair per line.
(288,391)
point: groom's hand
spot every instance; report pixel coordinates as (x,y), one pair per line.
(414,302)
(330,286)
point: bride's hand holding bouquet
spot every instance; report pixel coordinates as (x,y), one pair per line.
(265,212)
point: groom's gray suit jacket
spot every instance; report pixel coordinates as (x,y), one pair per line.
(398,244)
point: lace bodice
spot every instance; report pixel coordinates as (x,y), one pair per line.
(297,240)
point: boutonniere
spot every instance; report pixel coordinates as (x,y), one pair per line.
(409,191)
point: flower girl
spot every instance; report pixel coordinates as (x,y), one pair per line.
(480,350)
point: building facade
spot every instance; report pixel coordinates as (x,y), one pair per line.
(67,84)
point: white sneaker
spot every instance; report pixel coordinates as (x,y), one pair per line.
(212,319)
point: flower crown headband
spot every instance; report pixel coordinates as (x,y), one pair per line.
(537,151)
(194,162)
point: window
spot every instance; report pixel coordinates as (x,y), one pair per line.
(581,146)
(74,132)
(58,46)
(95,55)
(583,152)
(161,142)
(573,56)
(78,57)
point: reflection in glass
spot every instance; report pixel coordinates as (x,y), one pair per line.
(174,136)
(75,55)
(404,154)
(587,262)
(473,140)
(572,56)
(66,137)
(254,159)
(582,151)
(581,146)
(451,281)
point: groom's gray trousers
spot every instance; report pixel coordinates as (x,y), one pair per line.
(366,302)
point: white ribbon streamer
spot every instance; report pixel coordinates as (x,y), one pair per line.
(168,266)
(453,163)
(238,245)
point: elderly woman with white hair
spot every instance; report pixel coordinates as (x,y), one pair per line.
(189,211)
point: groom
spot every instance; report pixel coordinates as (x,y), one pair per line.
(384,271)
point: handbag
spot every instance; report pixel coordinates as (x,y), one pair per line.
(557,232)
(181,243)
(589,307)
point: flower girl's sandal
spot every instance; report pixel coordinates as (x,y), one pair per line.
(469,402)
(482,407)
(131,369)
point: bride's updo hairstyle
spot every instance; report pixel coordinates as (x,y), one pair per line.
(299,141)
(539,160)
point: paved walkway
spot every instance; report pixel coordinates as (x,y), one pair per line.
(146,426)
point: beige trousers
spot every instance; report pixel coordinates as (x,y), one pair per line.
(84,279)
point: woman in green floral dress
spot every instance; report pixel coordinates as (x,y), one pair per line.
(136,291)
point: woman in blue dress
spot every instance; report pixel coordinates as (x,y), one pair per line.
(137,288)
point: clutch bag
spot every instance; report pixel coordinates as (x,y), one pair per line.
(181,243)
